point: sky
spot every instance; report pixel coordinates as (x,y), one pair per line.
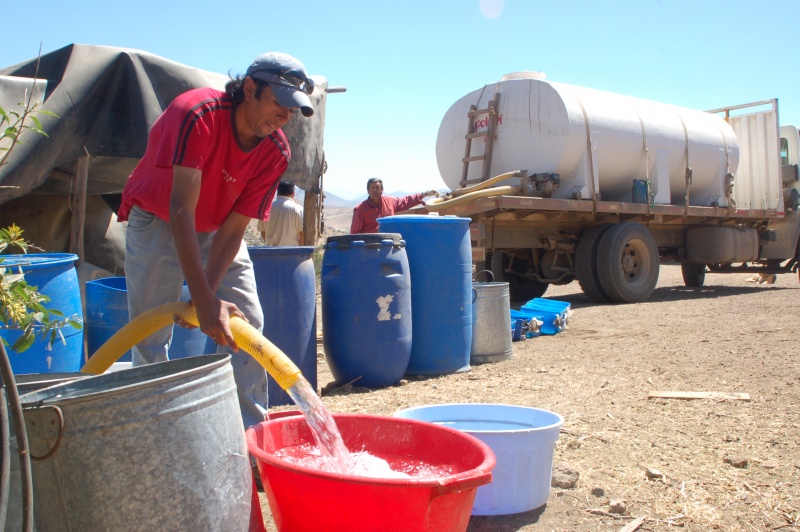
(405,63)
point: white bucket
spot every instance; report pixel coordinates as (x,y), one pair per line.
(523,440)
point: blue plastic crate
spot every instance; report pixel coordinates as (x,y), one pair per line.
(525,324)
(554,314)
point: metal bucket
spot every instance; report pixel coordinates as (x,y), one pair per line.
(491,323)
(155,447)
(26,383)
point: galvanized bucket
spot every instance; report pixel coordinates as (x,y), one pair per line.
(156,447)
(491,322)
(26,383)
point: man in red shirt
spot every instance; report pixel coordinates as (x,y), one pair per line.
(213,161)
(366,214)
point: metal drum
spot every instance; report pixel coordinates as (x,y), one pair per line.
(155,447)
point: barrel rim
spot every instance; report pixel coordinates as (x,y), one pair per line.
(344,241)
(422,218)
(41,260)
(279,250)
(558,423)
(196,364)
(112,282)
(487,464)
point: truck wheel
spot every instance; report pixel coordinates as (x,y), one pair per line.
(519,288)
(694,274)
(586,263)
(627,263)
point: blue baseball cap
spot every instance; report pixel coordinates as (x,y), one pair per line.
(287,78)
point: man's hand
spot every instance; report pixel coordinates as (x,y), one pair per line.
(431,193)
(214,321)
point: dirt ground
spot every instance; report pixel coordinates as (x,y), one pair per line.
(725,464)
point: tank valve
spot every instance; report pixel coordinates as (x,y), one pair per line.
(791,199)
(541,185)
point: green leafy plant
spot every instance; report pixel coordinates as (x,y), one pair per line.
(22,306)
(13,123)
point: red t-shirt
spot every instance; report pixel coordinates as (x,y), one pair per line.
(196,131)
(365,215)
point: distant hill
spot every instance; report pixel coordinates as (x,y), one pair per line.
(331,200)
(396,194)
(334,201)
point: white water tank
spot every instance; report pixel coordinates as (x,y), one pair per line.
(548,127)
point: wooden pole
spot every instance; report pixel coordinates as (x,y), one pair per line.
(78,207)
(310,217)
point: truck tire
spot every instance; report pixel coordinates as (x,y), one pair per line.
(694,274)
(586,264)
(627,263)
(519,288)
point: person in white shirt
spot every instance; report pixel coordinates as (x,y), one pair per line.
(285,224)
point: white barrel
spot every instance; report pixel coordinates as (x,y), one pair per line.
(548,127)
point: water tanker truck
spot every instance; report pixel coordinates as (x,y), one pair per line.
(567,183)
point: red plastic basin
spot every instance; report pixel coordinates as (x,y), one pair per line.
(302,498)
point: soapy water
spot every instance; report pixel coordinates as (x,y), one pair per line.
(365,464)
(331,454)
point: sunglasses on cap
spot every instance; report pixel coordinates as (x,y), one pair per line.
(289,78)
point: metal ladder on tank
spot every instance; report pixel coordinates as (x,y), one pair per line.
(488,135)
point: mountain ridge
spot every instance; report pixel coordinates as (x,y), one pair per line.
(332,200)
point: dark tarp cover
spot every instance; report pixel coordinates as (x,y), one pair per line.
(106,99)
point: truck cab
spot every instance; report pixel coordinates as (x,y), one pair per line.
(790,157)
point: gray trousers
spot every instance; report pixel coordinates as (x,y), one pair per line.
(154,277)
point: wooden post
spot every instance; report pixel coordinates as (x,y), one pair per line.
(78,206)
(310,218)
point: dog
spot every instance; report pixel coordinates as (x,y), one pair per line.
(763,278)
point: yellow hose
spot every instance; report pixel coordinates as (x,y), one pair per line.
(484,184)
(440,204)
(282,369)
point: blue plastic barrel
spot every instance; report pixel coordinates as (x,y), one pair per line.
(640,191)
(287,290)
(55,276)
(107,313)
(440,258)
(366,308)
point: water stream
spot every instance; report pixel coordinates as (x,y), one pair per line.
(329,441)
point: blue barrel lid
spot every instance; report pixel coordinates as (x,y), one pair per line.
(369,239)
(423,218)
(280,250)
(38,260)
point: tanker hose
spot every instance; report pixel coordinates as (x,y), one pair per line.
(481,186)
(282,369)
(440,204)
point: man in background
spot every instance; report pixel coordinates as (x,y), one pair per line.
(366,214)
(285,224)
